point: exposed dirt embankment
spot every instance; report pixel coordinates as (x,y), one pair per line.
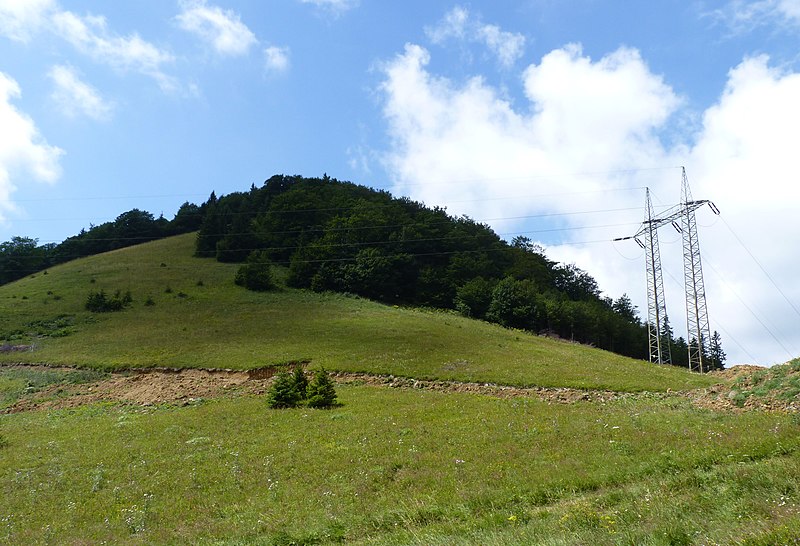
(182,387)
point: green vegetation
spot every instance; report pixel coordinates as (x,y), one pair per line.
(775,383)
(320,392)
(256,273)
(292,390)
(341,237)
(400,467)
(386,466)
(100,302)
(16,382)
(221,325)
(22,256)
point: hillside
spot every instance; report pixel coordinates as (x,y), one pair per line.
(199,318)
(335,236)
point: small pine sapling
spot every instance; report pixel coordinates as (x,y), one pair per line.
(282,393)
(300,382)
(321,393)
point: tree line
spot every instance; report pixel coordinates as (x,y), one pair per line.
(22,256)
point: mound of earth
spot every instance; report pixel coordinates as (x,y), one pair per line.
(753,388)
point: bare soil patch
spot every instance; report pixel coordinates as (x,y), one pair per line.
(185,386)
(144,387)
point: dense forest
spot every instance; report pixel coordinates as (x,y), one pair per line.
(342,237)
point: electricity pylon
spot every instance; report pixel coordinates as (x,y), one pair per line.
(660,352)
(696,307)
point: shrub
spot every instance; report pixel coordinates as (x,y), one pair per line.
(321,393)
(474,297)
(100,302)
(256,273)
(289,390)
(283,392)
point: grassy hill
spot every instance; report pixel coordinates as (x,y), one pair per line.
(388,466)
(199,318)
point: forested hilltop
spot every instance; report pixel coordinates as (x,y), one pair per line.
(342,237)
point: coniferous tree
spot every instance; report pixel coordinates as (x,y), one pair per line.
(321,393)
(300,382)
(716,355)
(283,392)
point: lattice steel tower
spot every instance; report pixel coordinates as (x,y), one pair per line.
(656,303)
(696,307)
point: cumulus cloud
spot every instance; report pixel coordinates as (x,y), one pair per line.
(75,97)
(745,157)
(20,19)
(459,24)
(588,139)
(23,151)
(580,113)
(222,29)
(276,59)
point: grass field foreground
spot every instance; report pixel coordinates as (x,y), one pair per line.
(395,467)
(389,466)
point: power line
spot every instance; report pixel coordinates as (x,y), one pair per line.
(735,293)
(359,243)
(762,268)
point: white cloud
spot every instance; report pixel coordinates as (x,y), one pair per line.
(223,29)
(744,15)
(458,24)
(90,35)
(580,114)
(75,97)
(745,157)
(22,149)
(508,46)
(452,25)
(590,127)
(335,7)
(20,19)
(276,59)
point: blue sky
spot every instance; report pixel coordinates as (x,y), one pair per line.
(540,117)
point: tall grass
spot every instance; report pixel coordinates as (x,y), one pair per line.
(397,467)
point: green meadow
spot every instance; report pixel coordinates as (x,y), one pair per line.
(388,465)
(199,318)
(395,466)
